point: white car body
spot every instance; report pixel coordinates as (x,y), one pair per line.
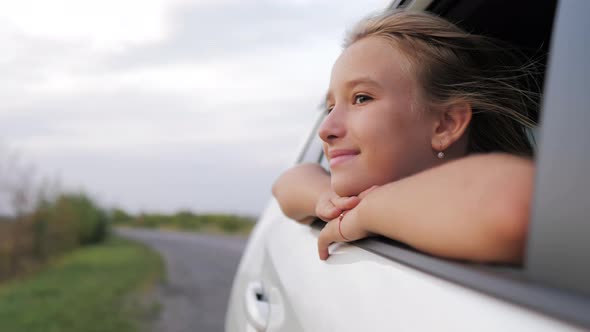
(356,290)
(282,285)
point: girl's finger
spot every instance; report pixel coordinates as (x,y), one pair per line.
(346,203)
(328,212)
(326,238)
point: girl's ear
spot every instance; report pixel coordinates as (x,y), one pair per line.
(451,124)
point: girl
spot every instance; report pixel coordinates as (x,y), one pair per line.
(427,137)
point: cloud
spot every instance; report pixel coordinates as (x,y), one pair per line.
(102,25)
(203,31)
(158,104)
(136,119)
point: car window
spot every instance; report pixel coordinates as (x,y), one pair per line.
(554,279)
(312,152)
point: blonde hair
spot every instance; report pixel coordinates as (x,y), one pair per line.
(451,65)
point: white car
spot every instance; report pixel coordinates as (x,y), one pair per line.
(380,285)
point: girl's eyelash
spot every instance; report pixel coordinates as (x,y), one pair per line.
(366,98)
(328,108)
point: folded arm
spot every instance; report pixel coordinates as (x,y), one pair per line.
(475,208)
(298,189)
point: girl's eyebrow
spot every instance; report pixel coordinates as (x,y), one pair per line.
(363,80)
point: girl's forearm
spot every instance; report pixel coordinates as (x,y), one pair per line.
(297,190)
(475,208)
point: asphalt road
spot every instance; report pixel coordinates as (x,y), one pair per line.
(199,274)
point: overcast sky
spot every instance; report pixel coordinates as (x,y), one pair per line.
(160,105)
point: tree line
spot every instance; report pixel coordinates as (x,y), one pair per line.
(187,221)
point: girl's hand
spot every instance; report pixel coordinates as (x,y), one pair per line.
(330,205)
(343,228)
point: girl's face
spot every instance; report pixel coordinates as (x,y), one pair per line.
(376,130)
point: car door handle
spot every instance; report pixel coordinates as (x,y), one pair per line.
(257,306)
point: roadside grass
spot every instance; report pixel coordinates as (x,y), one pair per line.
(103,287)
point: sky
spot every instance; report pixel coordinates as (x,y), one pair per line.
(163,105)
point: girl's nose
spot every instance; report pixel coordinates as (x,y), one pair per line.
(332,127)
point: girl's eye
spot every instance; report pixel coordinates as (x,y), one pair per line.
(329,109)
(359,99)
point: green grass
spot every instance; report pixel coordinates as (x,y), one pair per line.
(96,288)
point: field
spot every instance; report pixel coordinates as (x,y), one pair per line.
(103,287)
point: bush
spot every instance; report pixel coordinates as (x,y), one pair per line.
(67,222)
(186,220)
(53,228)
(119,216)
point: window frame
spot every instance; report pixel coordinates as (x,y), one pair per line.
(557,242)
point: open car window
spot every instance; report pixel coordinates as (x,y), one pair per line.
(554,278)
